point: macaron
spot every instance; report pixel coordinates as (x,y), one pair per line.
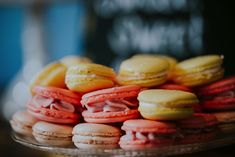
(143,134)
(96,136)
(218,96)
(22,123)
(145,72)
(171,86)
(52,134)
(89,77)
(74,60)
(111,105)
(226,121)
(52,74)
(172,61)
(198,71)
(55,105)
(160,104)
(198,128)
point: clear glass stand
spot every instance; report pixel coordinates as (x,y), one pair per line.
(158,151)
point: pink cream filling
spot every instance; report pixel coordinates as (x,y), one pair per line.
(52,104)
(111,106)
(147,137)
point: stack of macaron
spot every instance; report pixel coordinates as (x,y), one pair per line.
(151,101)
(218,98)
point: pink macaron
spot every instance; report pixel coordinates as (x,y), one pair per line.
(218,96)
(142,134)
(198,128)
(55,105)
(111,105)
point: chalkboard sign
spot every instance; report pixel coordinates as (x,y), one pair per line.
(125,27)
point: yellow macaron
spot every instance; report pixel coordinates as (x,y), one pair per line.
(52,74)
(198,70)
(172,61)
(89,77)
(145,72)
(73,60)
(157,104)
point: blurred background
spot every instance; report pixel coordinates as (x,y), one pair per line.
(36,32)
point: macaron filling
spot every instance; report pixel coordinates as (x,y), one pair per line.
(140,76)
(51,136)
(206,73)
(113,105)
(73,76)
(162,107)
(15,123)
(146,137)
(52,104)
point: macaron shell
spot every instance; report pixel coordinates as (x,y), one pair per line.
(21,128)
(90,135)
(45,140)
(198,120)
(144,65)
(54,116)
(219,104)
(171,61)
(58,93)
(52,134)
(143,71)
(198,70)
(199,63)
(100,77)
(111,93)
(198,79)
(52,75)
(110,117)
(88,84)
(22,122)
(92,129)
(53,129)
(24,118)
(92,68)
(149,126)
(173,98)
(165,114)
(221,86)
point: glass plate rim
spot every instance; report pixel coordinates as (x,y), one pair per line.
(158,151)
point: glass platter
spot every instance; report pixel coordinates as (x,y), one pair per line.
(160,151)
